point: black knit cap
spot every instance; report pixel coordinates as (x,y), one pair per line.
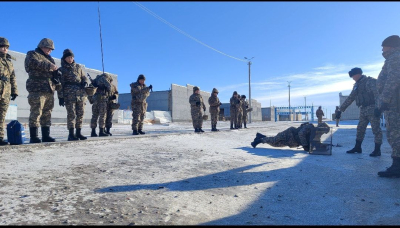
(391,41)
(354,71)
(243,96)
(66,53)
(141,76)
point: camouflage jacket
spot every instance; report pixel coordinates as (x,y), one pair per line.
(139,92)
(193,99)
(303,133)
(214,103)
(114,91)
(8,82)
(71,79)
(364,93)
(388,83)
(319,113)
(38,66)
(235,103)
(103,83)
(245,107)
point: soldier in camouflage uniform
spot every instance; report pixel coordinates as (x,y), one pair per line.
(338,114)
(239,112)
(41,84)
(245,108)
(139,92)
(214,103)
(234,108)
(72,95)
(8,84)
(388,86)
(197,109)
(112,101)
(291,137)
(319,114)
(100,100)
(365,94)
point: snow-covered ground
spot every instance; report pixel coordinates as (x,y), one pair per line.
(173,176)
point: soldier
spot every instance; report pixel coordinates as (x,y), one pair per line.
(214,103)
(72,95)
(111,107)
(197,109)
(43,80)
(8,84)
(139,93)
(338,114)
(388,86)
(99,107)
(235,103)
(291,137)
(365,94)
(246,109)
(239,112)
(319,114)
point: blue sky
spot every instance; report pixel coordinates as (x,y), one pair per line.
(311,44)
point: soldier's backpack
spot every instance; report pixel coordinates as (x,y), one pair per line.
(15,133)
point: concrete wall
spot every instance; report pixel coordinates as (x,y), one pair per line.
(180,102)
(158,100)
(268,114)
(59,114)
(352,112)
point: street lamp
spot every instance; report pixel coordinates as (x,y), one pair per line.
(249,63)
(290,112)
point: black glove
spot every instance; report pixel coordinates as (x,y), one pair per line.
(378,111)
(56,76)
(150,87)
(61,101)
(247,106)
(84,84)
(113,97)
(220,103)
(13,96)
(198,103)
(204,108)
(306,148)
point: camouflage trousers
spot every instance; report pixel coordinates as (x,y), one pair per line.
(4,103)
(99,109)
(393,132)
(138,114)
(234,116)
(109,116)
(239,118)
(75,111)
(42,105)
(337,122)
(214,118)
(319,119)
(282,139)
(367,116)
(197,117)
(244,118)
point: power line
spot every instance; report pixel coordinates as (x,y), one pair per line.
(184,33)
(101,39)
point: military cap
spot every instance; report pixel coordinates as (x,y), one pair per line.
(215,90)
(235,93)
(354,71)
(4,42)
(141,76)
(66,53)
(195,88)
(391,41)
(243,96)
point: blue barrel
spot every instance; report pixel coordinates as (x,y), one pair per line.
(15,133)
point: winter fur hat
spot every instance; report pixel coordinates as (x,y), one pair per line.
(391,41)
(141,76)
(66,53)
(354,71)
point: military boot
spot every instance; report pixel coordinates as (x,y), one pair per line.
(34,135)
(46,135)
(215,127)
(256,142)
(135,132)
(2,142)
(201,130)
(392,171)
(79,135)
(231,125)
(93,134)
(196,130)
(377,151)
(108,131)
(356,149)
(71,136)
(259,135)
(244,124)
(102,133)
(141,132)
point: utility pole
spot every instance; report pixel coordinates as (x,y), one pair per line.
(290,111)
(249,63)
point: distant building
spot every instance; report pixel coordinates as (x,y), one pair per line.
(352,112)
